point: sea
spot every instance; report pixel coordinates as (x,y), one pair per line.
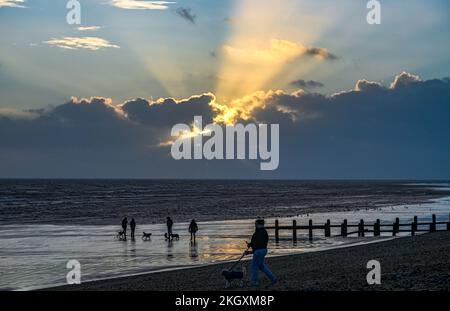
(44,224)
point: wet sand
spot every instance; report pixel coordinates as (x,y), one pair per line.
(408,263)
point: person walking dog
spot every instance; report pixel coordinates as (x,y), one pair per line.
(258,244)
(124,226)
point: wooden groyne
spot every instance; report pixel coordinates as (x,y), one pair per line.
(362,228)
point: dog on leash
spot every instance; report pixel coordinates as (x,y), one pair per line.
(146,236)
(173,236)
(121,235)
(234,277)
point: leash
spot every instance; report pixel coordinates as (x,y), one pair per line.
(234,265)
(237,262)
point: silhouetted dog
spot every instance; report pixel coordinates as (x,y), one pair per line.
(234,276)
(146,236)
(121,235)
(172,236)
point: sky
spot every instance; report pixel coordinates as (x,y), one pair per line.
(98,99)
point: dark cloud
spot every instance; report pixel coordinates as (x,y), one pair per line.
(364,85)
(321,53)
(371,131)
(311,84)
(187,14)
(404,79)
(167,112)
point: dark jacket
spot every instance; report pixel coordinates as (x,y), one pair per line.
(193,227)
(169,223)
(259,239)
(124,223)
(132,224)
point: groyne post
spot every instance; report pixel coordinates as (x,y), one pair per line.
(277,231)
(396,227)
(414,226)
(433,223)
(448,224)
(361,228)
(377,228)
(344,228)
(294,231)
(328,228)
(310,230)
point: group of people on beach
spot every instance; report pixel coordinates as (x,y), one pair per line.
(193,228)
(132,227)
(257,245)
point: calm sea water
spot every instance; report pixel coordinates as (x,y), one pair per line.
(44,224)
(105,202)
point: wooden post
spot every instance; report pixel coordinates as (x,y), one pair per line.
(396,226)
(433,223)
(294,231)
(327,229)
(361,228)
(277,237)
(344,228)
(448,224)
(377,228)
(310,230)
(414,226)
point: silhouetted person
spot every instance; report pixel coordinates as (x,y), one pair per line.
(259,249)
(132,227)
(124,226)
(193,228)
(169,223)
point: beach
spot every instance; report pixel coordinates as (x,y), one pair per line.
(34,253)
(407,263)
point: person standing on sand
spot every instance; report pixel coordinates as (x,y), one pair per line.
(132,227)
(258,244)
(124,226)
(169,223)
(193,228)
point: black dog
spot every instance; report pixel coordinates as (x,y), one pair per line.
(233,276)
(146,236)
(171,237)
(121,235)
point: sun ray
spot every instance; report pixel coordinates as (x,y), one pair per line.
(265,42)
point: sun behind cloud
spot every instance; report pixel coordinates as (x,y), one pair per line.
(265,50)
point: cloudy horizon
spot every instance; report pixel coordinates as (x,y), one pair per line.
(393,131)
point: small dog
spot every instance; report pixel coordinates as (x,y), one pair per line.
(234,276)
(146,236)
(121,235)
(172,236)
